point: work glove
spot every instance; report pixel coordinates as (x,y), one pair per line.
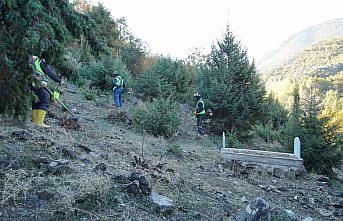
(55,95)
(44,83)
(195,113)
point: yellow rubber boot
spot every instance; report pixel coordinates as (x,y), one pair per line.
(40,118)
(34,117)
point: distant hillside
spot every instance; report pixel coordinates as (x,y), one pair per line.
(323,62)
(319,67)
(300,41)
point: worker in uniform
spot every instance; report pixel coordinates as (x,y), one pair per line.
(39,85)
(200,114)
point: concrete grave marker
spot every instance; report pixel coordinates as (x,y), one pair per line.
(297,147)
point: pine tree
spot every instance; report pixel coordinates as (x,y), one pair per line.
(231,86)
(292,127)
(28,27)
(274,113)
(176,73)
(321,145)
(161,117)
(130,48)
(107,27)
(151,85)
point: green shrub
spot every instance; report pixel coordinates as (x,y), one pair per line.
(175,150)
(267,132)
(273,113)
(321,142)
(79,82)
(164,77)
(90,94)
(232,140)
(292,127)
(160,117)
(177,73)
(150,85)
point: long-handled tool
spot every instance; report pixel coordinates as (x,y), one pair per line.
(59,101)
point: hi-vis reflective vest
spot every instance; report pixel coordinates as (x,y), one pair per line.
(203,112)
(37,67)
(39,75)
(119,82)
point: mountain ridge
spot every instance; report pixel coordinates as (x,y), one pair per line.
(301,40)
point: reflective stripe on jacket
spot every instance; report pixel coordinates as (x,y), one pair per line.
(199,111)
(118,82)
(37,66)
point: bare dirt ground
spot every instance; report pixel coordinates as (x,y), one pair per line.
(71,171)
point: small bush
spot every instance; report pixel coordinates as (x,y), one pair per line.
(79,82)
(160,117)
(175,150)
(232,140)
(267,132)
(90,95)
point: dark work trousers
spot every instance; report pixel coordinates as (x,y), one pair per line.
(117,96)
(44,99)
(200,124)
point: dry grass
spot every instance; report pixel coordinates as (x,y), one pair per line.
(192,173)
(15,185)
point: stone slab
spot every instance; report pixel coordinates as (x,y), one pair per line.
(263,157)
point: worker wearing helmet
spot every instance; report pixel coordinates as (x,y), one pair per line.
(200,114)
(118,88)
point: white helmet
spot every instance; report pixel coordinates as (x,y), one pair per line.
(196,95)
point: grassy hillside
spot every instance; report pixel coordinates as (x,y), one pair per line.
(300,41)
(74,171)
(145,161)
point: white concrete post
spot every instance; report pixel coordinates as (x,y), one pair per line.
(297,147)
(223,139)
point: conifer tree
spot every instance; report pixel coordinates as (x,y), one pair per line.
(320,143)
(231,86)
(151,84)
(107,27)
(27,28)
(292,128)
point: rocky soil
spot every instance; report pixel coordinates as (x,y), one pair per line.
(96,166)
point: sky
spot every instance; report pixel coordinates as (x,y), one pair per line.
(174,27)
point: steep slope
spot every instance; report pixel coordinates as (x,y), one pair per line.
(300,41)
(75,171)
